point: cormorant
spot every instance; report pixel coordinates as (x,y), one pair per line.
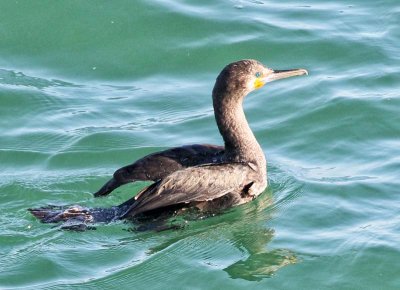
(205,177)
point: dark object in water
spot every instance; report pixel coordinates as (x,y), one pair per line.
(206,177)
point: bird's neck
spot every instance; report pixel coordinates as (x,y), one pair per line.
(240,143)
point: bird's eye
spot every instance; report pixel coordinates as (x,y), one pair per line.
(258,74)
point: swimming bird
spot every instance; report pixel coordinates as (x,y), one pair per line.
(205,177)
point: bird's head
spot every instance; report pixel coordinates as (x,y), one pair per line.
(242,77)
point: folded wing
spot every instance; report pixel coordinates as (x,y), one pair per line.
(160,164)
(195,184)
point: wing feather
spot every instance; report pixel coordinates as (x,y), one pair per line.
(160,164)
(194,184)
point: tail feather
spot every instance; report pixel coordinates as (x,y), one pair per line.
(76,217)
(55,214)
(79,218)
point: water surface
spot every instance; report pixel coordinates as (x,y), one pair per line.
(87,87)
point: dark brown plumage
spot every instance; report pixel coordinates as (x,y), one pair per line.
(206,177)
(158,165)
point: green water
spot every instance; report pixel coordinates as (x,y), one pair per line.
(89,86)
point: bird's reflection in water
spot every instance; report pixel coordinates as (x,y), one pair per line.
(245,229)
(253,237)
(261,262)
